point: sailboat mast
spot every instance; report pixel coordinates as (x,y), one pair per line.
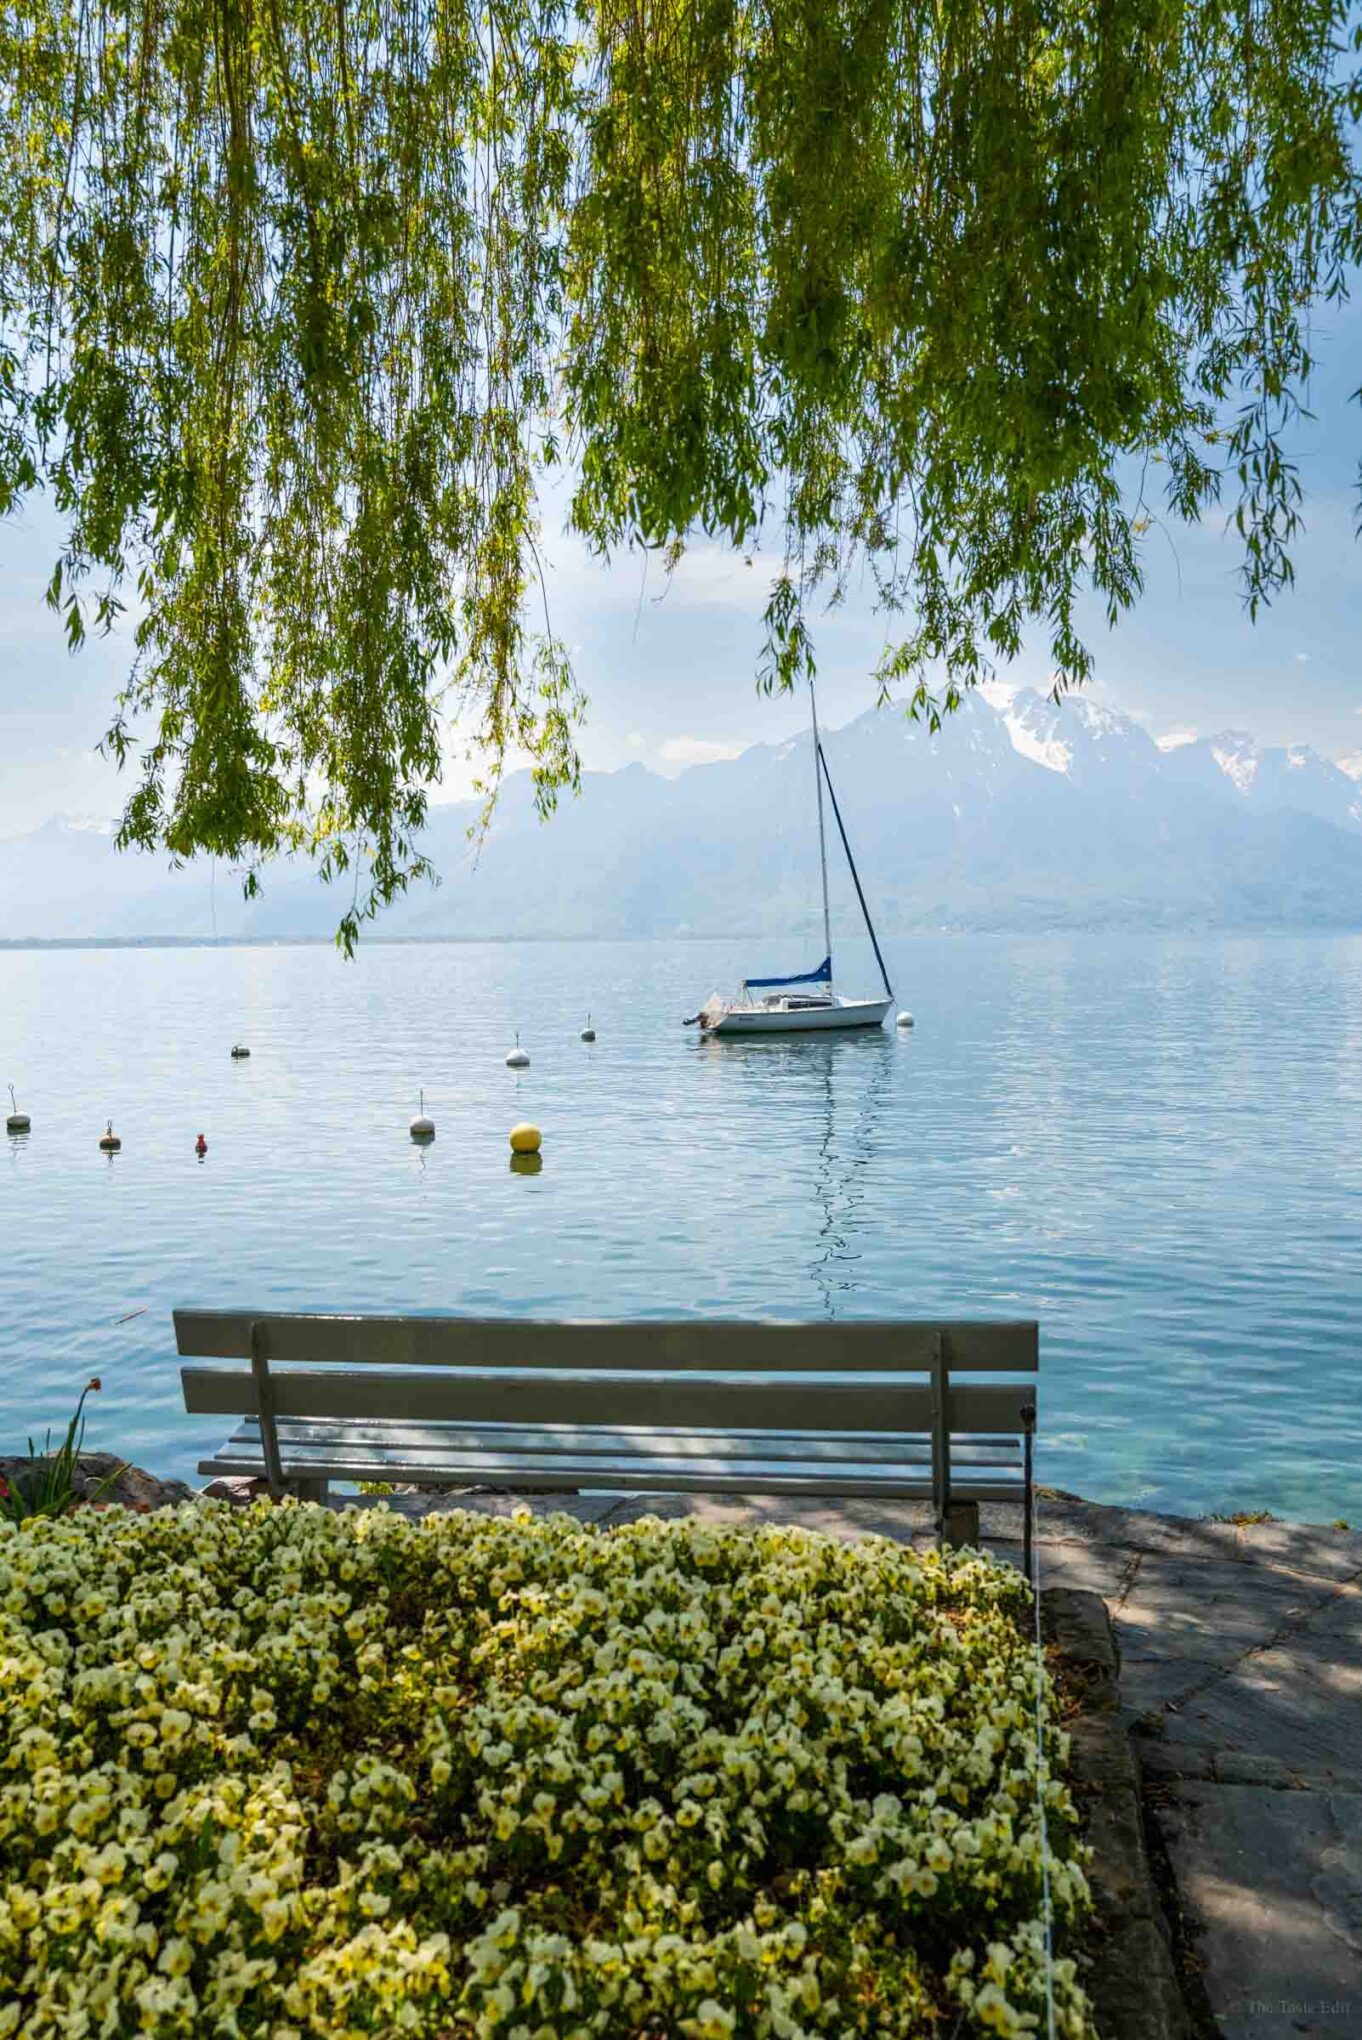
(855,876)
(822,840)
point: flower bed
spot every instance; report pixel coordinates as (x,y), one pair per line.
(291,1772)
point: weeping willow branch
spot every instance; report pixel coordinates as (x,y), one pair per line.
(300,298)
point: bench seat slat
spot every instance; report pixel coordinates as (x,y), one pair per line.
(669,1464)
(587,1467)
(703,1345)
(630,1476)
(300,1435)
(529,1467)
(654,1401)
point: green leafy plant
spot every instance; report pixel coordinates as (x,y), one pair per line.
(304,306)
(48,1487)
(338,1772)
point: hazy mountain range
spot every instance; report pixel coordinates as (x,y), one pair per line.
(1018,815)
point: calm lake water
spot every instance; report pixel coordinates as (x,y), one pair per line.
(1152,1144)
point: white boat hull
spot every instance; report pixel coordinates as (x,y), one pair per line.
(834,1018)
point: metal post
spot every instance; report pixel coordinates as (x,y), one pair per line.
(941,1438)
(264,1409)
(822,840)
(1028,1417)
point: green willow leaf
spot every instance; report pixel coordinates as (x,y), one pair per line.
(300,299)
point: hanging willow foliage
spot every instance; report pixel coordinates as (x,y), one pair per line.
(299,298)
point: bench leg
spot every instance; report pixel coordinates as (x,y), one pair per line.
(960,1525)
(308,1490)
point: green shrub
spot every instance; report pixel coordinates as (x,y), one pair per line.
(290,1772)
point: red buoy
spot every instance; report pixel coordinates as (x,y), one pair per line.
(200,1146)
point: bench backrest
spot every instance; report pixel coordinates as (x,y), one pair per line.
(701,1373)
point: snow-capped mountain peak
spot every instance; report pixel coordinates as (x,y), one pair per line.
(1032,725)
(1235,752)
(1079,738)
(1020,812)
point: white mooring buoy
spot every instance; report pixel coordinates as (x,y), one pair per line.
(588,1032)
(422,1127)
(517,1059)
(904,1020)
(17,1122)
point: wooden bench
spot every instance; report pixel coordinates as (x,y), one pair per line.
(644,1407)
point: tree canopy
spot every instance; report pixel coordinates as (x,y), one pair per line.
(299,300)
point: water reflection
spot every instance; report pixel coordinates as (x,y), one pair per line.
(843,1085)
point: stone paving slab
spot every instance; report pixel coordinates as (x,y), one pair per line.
(1132,1978)
(1280,1704)
(1313,1550)
(1241,1651)
(1275,1879)
(1211,1609)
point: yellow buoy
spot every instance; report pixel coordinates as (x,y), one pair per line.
(525,1139)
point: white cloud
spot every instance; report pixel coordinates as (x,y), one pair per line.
(1175,739)
(682,752)
(708,576)
(1352,765)
(1302,658)
(43,782)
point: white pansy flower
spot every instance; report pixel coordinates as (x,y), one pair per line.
(291,1771)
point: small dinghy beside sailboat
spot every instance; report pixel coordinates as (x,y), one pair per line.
(805,1003)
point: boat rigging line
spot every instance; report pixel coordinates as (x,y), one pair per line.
(851,861)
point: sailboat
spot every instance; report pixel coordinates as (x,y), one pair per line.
(807,1002)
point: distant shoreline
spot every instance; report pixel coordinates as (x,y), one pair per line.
(308,941)
(1071,932)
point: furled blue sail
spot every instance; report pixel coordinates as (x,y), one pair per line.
(821,976)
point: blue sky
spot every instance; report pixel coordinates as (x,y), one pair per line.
(669,669)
